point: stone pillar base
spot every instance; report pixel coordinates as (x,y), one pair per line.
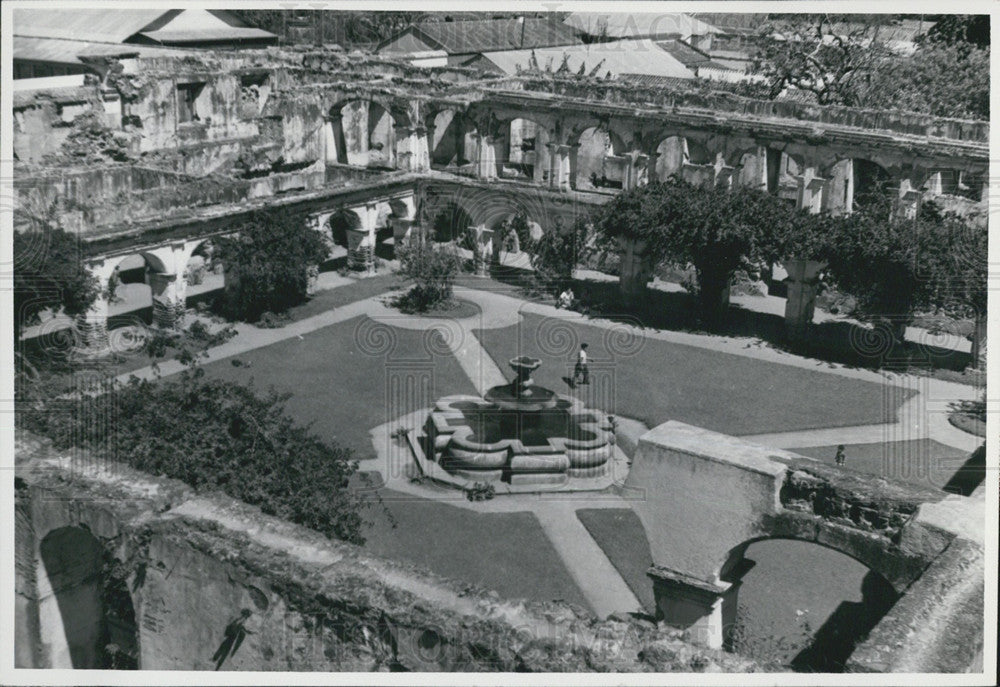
(705,610)
(93,332)
(168,314)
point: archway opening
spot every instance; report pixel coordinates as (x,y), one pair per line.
(804,606)
(454,144)
(362,133)
(205,274)
(86,615)
(527,151)
(872,185)
(600,160)
(671,154)
(339,224)
(450,222)
(130,290)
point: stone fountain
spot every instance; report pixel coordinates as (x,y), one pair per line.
(521,435)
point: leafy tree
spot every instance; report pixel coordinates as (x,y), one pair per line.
(49,273)
(267,264)
(955,29)
(894,266)
(218,436)
(718,230)
(940,78)
(434,268)
(555,255)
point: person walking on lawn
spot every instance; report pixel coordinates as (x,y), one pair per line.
(580,372)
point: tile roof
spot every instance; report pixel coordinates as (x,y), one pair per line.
(685,54)
(118,24)
(483,35)
(68,51)
(640,56)
(111,25)
(232,33)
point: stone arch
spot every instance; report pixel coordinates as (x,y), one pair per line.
(453,138)
(830,639)
(872,182)
(600,158)
(340,222)
(131,286)
(363,132)
(671,154)
(82,612)
(525,148)
(204,271)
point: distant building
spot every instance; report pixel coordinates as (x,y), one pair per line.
(48,42)
(605,60)
(603,26)
(465,41)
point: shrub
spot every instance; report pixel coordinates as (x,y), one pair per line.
(218,436)
(434,270)
(268,264)
(557,253)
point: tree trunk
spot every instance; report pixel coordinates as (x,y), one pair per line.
(713,295)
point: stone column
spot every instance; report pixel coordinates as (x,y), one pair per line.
(360,250)
(169,291)
(92,325)
(483,255)
(635,268)
(800,306)
(810,194)
(487,160)
(562,163)
(724,176)
(908,203)
(412,150)
(704,609)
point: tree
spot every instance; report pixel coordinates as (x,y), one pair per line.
(434,268)
(942,79)
(716,229)
(218,436)
(555,255)
(49,273)
(894,266)
(831,60)
(954,29)
(267,264)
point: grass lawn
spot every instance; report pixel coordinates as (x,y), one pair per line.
(621,536)
(655,381)
(506,552)
(794,588)
(328,299)
(344,391)
(919,461)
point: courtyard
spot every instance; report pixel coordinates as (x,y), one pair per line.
(344,367)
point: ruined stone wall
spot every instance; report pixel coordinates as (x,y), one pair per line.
(214,583)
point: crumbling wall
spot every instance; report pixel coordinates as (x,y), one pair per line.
(216,584)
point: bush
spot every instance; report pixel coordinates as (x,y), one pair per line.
(217,436)
(434,270)
(268,264)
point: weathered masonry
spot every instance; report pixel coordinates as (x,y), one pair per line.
(108,556)
(152,157)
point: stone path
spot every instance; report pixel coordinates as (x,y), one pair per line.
(586,562)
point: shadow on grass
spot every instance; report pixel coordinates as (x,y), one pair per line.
(845,343)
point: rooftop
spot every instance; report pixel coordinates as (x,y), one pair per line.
(482,35)
(637,56)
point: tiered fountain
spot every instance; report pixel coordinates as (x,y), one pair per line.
(522,435)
